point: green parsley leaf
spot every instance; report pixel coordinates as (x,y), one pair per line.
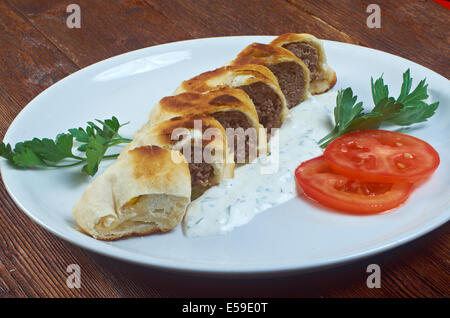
(94,142)
(379,90)
(414,114)
(51,150)
(345,112)
(419,93)
(80,134)
(409,108)
(6,151)
(95,151)
(27,159)
(382,112)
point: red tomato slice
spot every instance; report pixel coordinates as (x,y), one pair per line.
(382,156)
(339,192)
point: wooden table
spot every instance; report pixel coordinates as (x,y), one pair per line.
(37,49)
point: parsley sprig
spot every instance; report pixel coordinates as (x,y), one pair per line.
(93,142)
(407,109)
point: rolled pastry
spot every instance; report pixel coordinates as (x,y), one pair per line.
(203,142)
(231,107)
(292,74)
(145,190)
(310,50)
(256,80)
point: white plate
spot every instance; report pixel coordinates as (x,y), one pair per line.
(294,236)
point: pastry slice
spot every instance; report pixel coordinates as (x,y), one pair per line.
(292,74)
(231,107)
(256,80)
(146,190)
(203,142)
(310,50)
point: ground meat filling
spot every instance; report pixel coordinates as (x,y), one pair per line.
(201,173)
(292,81)
(308,54)
(267,104)
(236,119)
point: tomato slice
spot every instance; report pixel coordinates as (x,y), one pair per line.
(339,192)
(382,156)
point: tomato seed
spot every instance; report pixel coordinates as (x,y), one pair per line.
(408,155)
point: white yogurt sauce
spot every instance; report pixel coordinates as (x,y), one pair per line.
(260,185)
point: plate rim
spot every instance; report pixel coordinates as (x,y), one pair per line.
(194,268)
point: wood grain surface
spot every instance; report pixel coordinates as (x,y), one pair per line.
(37,49)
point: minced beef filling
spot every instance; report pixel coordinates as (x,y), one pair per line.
(291,80)
(308,54)
(235,119)
(201,173)
(267,104)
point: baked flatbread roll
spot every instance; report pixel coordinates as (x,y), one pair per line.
(292,74)
(203,142)
(310,50)
(231,107)
(256,80)
(145,190)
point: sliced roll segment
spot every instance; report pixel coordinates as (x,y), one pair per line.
(231,107)
(292,74)
(256,80)
(203,142)
(310,50)
(142,192)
